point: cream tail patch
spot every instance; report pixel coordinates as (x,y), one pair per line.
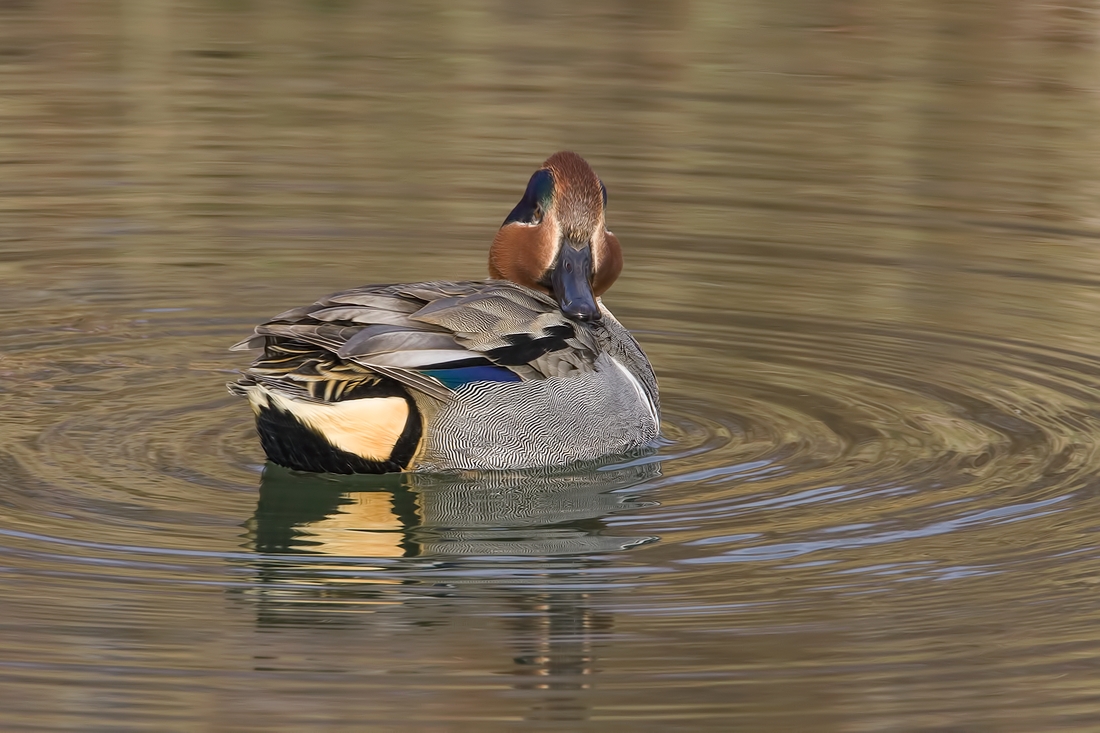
(368,427)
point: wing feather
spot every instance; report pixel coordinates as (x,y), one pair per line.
(393,330)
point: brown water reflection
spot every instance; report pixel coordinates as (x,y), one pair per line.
(861,245)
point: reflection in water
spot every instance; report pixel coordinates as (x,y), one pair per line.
(555,634)
(301,513)
(327,543)
(410,515)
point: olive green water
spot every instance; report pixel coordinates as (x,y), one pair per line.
(863,254)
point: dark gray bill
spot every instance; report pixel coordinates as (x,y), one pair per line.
(571,284)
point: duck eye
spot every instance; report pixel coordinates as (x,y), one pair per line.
(603,189)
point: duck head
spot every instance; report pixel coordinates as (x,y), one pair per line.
(556,240)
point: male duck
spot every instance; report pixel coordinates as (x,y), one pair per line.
(526,369)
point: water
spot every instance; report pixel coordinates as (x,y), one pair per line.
(861,247)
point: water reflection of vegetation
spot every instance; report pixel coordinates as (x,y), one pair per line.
(852,135)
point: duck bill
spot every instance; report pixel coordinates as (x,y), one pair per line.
(572,286)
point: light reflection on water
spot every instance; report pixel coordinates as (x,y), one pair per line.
(861,253)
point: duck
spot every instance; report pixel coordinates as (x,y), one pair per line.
(525,369)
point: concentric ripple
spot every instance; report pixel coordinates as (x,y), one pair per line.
(873,453)
(846,436)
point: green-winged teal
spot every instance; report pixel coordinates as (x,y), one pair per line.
(525,369)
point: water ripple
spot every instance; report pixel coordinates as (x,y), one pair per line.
(837,437)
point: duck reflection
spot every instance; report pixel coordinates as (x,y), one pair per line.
(414,515)
(410,562)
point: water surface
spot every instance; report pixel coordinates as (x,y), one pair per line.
(861,246)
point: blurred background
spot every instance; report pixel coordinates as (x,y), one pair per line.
(861,245)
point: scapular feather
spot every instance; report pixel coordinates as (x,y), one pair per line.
(421,335)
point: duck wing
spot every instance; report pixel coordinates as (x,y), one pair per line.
(431,337)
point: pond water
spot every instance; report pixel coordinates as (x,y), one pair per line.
(862,251)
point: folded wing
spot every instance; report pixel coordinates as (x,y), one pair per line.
(429,337)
